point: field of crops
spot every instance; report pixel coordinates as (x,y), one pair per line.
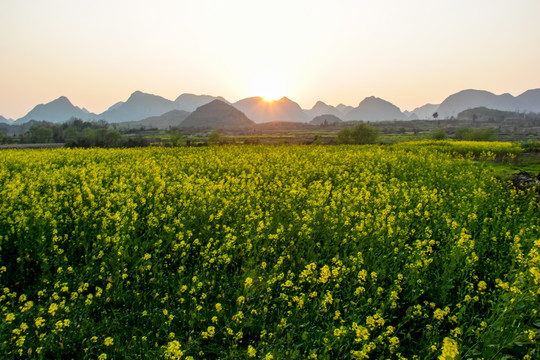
(237,252)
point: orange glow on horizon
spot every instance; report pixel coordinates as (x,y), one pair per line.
(269,86)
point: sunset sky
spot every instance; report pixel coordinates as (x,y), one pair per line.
(407,52)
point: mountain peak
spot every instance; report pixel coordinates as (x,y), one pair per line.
(190,102)
(375,109)
(62,99)
(217,114)
(58,110)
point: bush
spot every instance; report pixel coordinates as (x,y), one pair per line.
(485,134)
(359,134)
(439,135)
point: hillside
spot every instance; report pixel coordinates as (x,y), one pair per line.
(326,119)
(375,109)
(217,114)
(170,119)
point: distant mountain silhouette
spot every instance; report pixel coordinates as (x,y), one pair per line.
(139,106)
(320,108)
(190,102)
(325,119)
(170,119)
(375,109)
(529,101)
(260,110)
(410,115)
(56,111)
(116,106)
(217,114)
(484,114)
(425,112)
(344,109)
(467,99)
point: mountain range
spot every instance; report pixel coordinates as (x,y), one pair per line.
(142,109)
(260,110)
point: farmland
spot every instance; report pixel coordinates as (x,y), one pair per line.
(271,252)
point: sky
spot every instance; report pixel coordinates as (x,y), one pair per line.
(97,52)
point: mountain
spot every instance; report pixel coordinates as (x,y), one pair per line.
(217,114)
(375,109)
(425,112)
(468,99)
(483,114)
(170,119)
(4,120)
(138,106)
(321,108)
(529,101)
(190,102)
(116,106)
(260,110)
(410,115)
(344,109)
(325,119)
(56,111)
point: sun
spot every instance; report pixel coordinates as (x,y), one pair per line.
(269,87)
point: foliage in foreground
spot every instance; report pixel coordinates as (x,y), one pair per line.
(264,252)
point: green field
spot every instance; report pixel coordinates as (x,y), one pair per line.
(408,251)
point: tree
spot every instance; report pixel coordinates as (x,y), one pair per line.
(113,138)
(215,138)
(177,138)
(485,134)
(88,138)
(40,134)
(439,135)
(463,133)
(359,134)
(71,136)
(435,115)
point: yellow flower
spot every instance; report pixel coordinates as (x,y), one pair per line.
(482,285)
(218,307)
(173,350)
(449,349)
(102,357)
(10,317)
(251,351)
(108,341)
(39,322)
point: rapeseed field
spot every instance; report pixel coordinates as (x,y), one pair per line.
(293,252)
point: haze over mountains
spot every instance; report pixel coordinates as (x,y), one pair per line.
(142,109)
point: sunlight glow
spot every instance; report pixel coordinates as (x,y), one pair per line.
(269,87)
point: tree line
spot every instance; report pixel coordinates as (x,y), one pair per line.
(76,133)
